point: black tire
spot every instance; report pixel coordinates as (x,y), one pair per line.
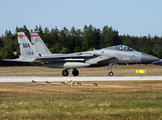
(110,73)
(65,73)
(75,72)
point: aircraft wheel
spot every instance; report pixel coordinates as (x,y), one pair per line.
(75,72)
(65,73)
(110,73)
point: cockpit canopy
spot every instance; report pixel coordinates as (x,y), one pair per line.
(121,48)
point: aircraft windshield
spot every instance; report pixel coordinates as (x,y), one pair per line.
(121,48)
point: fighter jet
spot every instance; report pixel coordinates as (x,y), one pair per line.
(158,62)
(37,52)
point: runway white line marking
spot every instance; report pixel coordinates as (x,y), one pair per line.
(78,78)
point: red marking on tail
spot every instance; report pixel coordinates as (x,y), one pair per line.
(34,35)
(21,35)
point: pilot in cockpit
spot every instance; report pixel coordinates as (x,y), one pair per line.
(125,48)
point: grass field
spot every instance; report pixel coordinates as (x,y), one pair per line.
(110,100)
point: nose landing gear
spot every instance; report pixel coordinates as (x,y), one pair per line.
(110,73)
(111,67)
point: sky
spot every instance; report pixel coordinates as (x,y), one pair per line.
(129,17)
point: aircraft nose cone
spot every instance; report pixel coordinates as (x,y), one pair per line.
(157,62)
(146,58)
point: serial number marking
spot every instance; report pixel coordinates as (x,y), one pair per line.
(29,53)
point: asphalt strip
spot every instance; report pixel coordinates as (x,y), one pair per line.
(77,78)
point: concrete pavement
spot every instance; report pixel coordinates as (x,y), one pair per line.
(77,78)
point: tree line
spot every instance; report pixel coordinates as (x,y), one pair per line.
(76,40)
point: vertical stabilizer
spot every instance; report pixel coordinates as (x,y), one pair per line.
(26,49)
(38,44)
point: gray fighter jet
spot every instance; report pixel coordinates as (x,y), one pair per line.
(37,52)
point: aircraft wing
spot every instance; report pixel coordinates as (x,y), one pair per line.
(68,57)
(55,57)
(89,58)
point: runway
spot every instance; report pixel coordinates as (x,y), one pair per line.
(4,79)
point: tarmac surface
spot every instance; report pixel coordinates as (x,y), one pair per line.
(5,79)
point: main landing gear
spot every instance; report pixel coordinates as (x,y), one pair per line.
(75,72)
(111,67)
(65,72)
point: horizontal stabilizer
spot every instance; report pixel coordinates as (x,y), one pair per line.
(20,60)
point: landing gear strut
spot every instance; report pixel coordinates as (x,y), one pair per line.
(75,72)
(65,73)
(111,67)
